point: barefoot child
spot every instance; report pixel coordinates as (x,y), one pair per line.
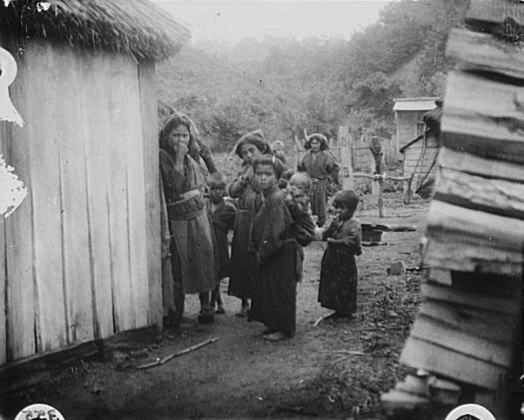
(273,243)
(222,214)
(338,273)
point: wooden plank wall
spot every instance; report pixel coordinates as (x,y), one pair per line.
(77,256)
(469,328)
(148,102)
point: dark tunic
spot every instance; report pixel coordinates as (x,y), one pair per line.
(242,267)
(338,272)
(319,167)
(192,236)
(272,239)
(223,218)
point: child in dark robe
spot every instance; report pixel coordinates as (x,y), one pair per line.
(274,246)
(222,213)
(297,200)
(338,273)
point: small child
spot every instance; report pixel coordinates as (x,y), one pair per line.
(222,213)
(297,200)
(338,272)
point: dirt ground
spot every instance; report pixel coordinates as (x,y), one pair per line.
(241,375)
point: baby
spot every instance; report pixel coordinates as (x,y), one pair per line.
(297,200)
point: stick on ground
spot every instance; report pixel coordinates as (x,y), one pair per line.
(159,362)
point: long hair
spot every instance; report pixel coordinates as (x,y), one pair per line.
(174,121)
(319,137)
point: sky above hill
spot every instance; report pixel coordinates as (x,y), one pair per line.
(233,20)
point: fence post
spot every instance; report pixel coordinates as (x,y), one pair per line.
(346,169)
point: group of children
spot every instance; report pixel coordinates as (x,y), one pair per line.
(268,209)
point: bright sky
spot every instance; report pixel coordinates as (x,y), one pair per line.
(233,20)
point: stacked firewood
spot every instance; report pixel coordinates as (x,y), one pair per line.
(467,333)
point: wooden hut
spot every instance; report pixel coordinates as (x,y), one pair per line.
(408,120)
(80,258)
(420,155)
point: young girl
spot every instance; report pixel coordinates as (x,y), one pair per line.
(273,243)
(192,236)
(338,273)
(250,146)
(319,165)
(222,214)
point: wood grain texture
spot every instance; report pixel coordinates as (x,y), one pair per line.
(97,166)
(484,118)
(441,334)
(149,114)
(488,168)
(47,195)
(425,355)
(482,52)
(71,137)
(496,196)
(497,328)
(487,15)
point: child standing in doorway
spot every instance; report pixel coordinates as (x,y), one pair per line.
(222,213)
(338,273)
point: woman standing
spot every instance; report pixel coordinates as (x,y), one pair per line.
(273,243)
(192,237)
(250,146)
(319,165)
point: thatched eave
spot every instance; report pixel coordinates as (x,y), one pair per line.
(134,27)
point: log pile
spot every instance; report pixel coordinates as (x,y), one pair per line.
(468,329)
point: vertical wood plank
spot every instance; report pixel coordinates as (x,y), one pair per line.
(70,135)
(148,107)
(42,132)
(20,298)
(4,129)
(97,166)
(121,140)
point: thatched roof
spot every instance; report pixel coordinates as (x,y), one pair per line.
(135,27)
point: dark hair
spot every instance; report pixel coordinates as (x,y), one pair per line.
(257,139)
(346,198)
(276,163)
(218,179)
(174,121)
(319,137)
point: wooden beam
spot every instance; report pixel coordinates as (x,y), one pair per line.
(488,168)
(471,123)
(475,192)
(481,52)
(488,15)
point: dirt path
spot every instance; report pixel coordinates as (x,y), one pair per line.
(241,375)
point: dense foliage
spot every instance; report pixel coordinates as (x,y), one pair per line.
(283,85)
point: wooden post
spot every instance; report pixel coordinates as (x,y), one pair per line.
(380,182)
(346,169)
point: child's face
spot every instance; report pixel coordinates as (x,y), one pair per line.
(297,186)
(265,177)
(216,193)
(341,211)
(279,152)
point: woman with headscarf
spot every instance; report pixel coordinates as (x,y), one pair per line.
(319,165)
(192,237)
(250,147)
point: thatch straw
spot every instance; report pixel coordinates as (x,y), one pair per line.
(135,27)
